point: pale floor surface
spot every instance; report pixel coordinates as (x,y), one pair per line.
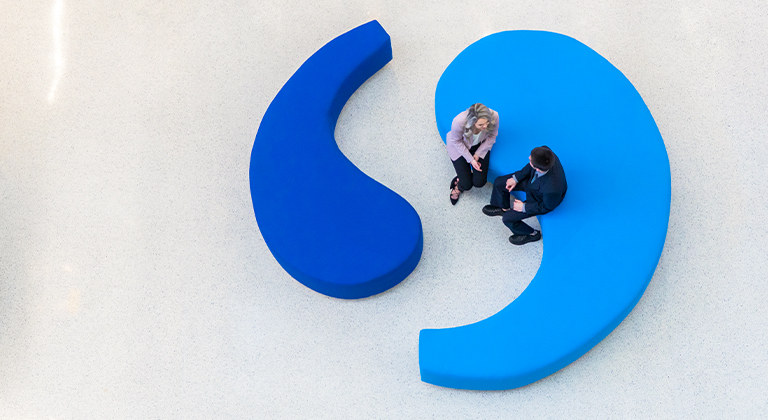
(135,283)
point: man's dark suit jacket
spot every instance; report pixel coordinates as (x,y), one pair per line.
(547,192)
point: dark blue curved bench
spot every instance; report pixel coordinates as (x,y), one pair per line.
(601,246)
(330,226)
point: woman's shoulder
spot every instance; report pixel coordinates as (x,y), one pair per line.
(461,117)
(459,120)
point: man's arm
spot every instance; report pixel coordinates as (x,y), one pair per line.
(523,173)
(546,205)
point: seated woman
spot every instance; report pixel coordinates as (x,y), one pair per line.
(469,143)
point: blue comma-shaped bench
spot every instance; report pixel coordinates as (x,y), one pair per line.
(330,226)
(601,246)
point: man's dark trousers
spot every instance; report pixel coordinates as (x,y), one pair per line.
(500,198)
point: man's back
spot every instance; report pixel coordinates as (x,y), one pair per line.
(547,191)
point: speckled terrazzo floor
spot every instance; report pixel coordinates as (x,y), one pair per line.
(134,283)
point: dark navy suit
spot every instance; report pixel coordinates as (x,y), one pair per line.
(541,195)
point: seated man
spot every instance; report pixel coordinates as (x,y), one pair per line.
(543,181)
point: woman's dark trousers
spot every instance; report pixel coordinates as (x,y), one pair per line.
(469,177)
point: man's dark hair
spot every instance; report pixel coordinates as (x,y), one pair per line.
(542,158)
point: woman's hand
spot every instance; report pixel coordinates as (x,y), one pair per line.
(476,165)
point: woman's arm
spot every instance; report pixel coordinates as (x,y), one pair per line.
(455,138)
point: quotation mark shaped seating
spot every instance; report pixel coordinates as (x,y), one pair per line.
(601,245)
(330,226)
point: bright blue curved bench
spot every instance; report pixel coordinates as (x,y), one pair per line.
(601,246)
(330,226)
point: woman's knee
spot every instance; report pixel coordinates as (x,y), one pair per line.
(479,183)
(465,184)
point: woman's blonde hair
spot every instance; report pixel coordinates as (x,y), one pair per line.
(474,113)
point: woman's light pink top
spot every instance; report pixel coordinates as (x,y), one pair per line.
(458,146)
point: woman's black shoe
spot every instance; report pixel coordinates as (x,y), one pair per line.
(454,183)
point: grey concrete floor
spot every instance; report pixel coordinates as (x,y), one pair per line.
(134,283)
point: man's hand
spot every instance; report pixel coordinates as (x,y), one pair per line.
(518,206)
(511,184)
(476,165)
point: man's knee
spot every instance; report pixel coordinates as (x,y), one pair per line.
(511,216)
(500,182)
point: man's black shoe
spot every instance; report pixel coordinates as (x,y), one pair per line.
(493,210)
(524,239)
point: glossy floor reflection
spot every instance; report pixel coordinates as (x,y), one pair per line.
(134,282)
